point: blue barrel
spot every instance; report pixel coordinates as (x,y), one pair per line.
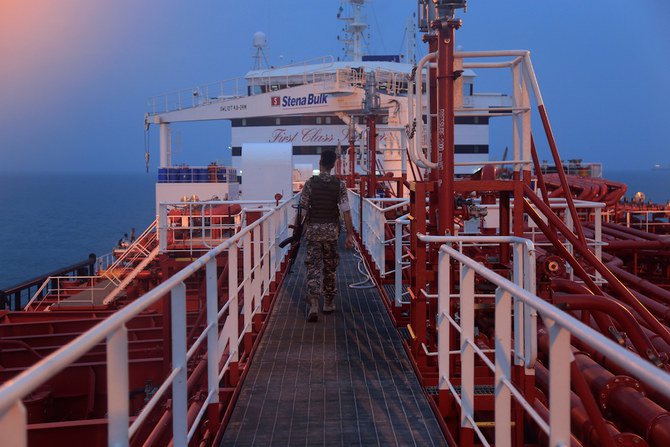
(173,175)
(202,175)
(185,174)
(162,175)
(221,174)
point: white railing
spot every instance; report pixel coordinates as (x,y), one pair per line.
(140,248)
(104,262)
(392,82)
(594,170)
(71,289)
(63,288)
(647,220)
(523,274)
(401,241)
(593,209)
(197,96)
(313,71)
(373,223)
(560,326)
(227,89)
(197,226)
(259,239)
(587,209)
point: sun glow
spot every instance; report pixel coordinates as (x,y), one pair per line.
(53,44)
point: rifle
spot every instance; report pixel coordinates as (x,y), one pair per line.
(294,239)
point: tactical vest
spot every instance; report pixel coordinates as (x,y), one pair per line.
(323,202)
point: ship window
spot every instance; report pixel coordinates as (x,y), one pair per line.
(244,121)
(277,121)
(475,120)
(328,120)
(467,89)
(318,120)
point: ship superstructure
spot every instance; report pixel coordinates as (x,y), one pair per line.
(316,105)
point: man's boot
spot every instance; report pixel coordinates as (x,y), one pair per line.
(313,310)
(329,305)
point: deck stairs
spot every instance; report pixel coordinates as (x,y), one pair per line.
(101,289)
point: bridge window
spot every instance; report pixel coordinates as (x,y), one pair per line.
(468,89)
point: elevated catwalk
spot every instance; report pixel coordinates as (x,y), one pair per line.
(342,381)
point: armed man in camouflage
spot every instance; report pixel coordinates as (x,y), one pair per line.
(323,197)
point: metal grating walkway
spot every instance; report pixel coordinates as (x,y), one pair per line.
(343,381)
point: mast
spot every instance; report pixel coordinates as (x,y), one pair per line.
(353,29)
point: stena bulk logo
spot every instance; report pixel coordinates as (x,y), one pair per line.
(301,101)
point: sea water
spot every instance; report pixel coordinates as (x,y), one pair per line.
(48,221)
(654,184)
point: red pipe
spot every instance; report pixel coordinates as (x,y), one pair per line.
(620,394)
(192,381)
(603,321)
(566,285)
(599,358)
(544,414)
(445,123)
(658,309)
(538,171)
(561,172)
(637,245)
(558,245)
(654,291)
(583,250)
(622,397)
(614,309)
(642,234)
(586,419)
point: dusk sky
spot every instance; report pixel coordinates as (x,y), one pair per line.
(76,74)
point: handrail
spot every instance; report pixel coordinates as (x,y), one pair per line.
(372,226)
(113,329)
(328,61)
(130,277)
(627,360)
(416,152)
(561,326)
(524,275)
(42,281)
(132,248)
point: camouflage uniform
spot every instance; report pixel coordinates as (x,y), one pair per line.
(322,257)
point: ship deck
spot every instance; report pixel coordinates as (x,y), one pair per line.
(345,380)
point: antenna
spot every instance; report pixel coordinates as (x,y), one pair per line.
(260,42)
(410,40)
(353,30)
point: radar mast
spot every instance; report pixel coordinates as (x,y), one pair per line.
(260,42)
(353,30)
